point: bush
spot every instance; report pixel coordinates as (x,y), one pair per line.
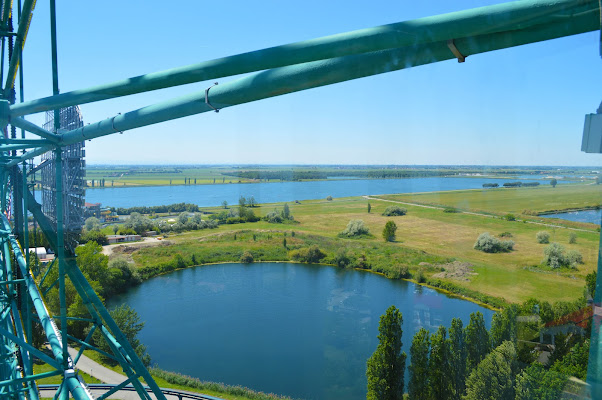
(543,237)
(94,236)
(420,278)
(490,185)
(273,217)
(394,211)
(505,234)
(342,259)
(491,244)
(355,228)
(329,198)
(510,217)
(389,231)
(309,255)
(572,238)
(246,258)
(556,257)
(450,210)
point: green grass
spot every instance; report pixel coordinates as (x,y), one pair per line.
(511,200)
(424,234)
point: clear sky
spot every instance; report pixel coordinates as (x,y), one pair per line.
(520,106)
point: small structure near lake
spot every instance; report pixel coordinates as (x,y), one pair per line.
(123,238)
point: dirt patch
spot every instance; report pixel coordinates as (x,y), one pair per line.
(126,249)
(457,270)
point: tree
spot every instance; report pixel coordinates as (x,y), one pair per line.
(252,202)
(94,236)
(598,180)
(537,383)
(355,228)
(92,224)
(225,204)
(128,321)
(418,387)
(457,348)
(115,229)
(369,208)
(394,211)
(503,326)
(440,372)
(590,283)
(543,237)
(138,222)
(183,218)
(572,238)
(477,340)
(553,182)
(389,231)
(385,368)
(493,379)
(286,212)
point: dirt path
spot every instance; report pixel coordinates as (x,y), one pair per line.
(108,249)
(477,214)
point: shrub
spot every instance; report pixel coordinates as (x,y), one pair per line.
(329,198)
(394,211)
(420,278)
(355,228)
(543,237)
(310,255)
(556,257)
(273,217)
(450,210)
(389,231)
(510,217)
(505,234)
(246,258)
(572,238)
(341,259)
(94,236)
(490,244)
(490,185)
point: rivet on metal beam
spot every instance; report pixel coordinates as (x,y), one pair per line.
(454,49)
(207,98)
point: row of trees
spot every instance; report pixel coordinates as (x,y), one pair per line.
(171,208)
(468,363)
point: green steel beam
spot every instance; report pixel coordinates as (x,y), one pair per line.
(295,78)
(468,23)
(9,147)
(33,128)
(24,21)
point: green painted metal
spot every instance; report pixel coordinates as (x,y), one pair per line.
(24,21)
(33,128)
(468,23)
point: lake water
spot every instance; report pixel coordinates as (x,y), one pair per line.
(305,331)
(591,216)
(214,195)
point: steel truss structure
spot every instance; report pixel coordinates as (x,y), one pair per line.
(283,69)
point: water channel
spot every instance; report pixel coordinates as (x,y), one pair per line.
(304,331)
(591,216)
(214,195)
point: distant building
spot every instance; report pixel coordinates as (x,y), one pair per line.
(92,210)
(42,254)
(123,238)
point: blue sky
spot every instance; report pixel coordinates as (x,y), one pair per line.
(520,106)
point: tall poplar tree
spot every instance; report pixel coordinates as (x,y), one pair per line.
(385,368)
(477,341)
(503,326)
(418,387)
(457,347)
(493,379)
(440,374)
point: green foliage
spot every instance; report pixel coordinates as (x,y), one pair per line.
(419,386)
(420,277)
(493,379)
(537,383)
(389,231)
(440,372)
(556,257)
(572,238)
(504,326)
(369,208)
(451,210)
(355,228)
(94,236)
(341,258)
(590,283)
(171,208)
(385,368)
(490,244)
(458,355)
(553,182)
(505,234)
(393,211)
(510,217)
(312,254)
(138,222)
(575,362)
(543,237)
(128,321)
(274,217)
(246,258)
(329,198)
(92,224)
(477,341)
(225,204)
(239,391)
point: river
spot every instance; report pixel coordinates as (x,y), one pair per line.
(591,216)
(214,195)
(304,331)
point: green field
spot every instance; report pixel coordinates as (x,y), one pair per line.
(423,235)
(511,200)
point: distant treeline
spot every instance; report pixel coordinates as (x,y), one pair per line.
(292,175)
(178,207)
(511,184)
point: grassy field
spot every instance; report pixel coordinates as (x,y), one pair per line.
(511,200)
(423,235)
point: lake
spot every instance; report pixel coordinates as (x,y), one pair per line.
(300,330)
(214,195)
(591,216)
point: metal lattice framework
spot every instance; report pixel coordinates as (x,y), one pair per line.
(283,69)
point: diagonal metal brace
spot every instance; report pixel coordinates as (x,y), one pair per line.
(454,49)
